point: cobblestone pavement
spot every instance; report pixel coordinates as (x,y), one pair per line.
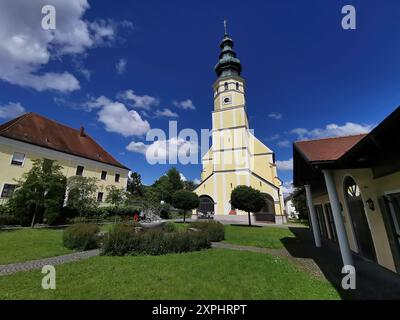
(38,264)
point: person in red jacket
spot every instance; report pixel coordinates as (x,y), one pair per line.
(136,215)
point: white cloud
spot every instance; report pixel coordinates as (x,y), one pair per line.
(275,115)
(196,181)
(332,130)
(11,110)
(287,188)
(117,118)
(273,137)
(138,147)
(183,178)
(285,165)
(161,151)
(185,104)
(166,113)
(144,102)
(26,49)
(121,66)
(283,143)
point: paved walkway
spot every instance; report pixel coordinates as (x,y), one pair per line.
(38,264)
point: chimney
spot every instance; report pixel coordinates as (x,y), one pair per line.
(82,132)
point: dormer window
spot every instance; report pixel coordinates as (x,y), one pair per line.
(18,159)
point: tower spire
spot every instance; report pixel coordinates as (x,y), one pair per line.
(228,64)
(225,28)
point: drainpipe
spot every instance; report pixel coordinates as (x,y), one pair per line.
(313,216)
(338,219)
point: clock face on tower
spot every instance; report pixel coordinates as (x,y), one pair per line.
(227,100)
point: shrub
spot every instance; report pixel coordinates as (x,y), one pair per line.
(127,240)
(6,216)
(169,227)
(165,214)
(215,230)
(78,220)
(7,220)
(81,236)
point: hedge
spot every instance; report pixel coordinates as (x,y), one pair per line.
(215,230)
(81,236)
(127,240)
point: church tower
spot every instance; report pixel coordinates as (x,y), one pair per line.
(236,156)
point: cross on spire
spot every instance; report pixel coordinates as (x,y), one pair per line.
(225,23)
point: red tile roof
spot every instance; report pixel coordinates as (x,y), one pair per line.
(329,149)
(35,129)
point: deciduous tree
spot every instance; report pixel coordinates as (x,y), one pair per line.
(247,199)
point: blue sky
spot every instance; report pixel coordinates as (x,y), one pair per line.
(306,76)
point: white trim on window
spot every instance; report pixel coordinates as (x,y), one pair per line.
(22,162)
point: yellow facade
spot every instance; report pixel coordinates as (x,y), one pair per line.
(236,156)
(9,173)
(370,188)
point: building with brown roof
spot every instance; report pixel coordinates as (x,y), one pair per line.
(32,136)
(352,186)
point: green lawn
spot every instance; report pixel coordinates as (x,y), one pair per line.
(30,244)
(208,274)
(264,237)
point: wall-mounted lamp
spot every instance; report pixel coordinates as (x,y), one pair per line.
(370,204)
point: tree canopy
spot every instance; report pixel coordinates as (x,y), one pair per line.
(82,193)
(40,193)
(247,199)
(185,200)
(175,179)
(135,186)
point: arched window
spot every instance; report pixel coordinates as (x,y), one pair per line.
(362,232)
(226,85)
(237,85)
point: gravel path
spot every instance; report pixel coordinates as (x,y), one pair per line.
(38,264)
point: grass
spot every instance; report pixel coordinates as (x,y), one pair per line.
(265,237)
(208,274)
(30,244)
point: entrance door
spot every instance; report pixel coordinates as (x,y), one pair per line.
(390,206)
(267,213)
(359,221)
(206,205)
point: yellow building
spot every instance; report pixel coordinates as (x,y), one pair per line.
(352,186)
(32,136)
(236,156)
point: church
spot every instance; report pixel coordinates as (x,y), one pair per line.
(236,156)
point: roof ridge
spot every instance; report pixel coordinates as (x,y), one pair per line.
(15,121)
(332,138)
(65,138)
(56,122)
